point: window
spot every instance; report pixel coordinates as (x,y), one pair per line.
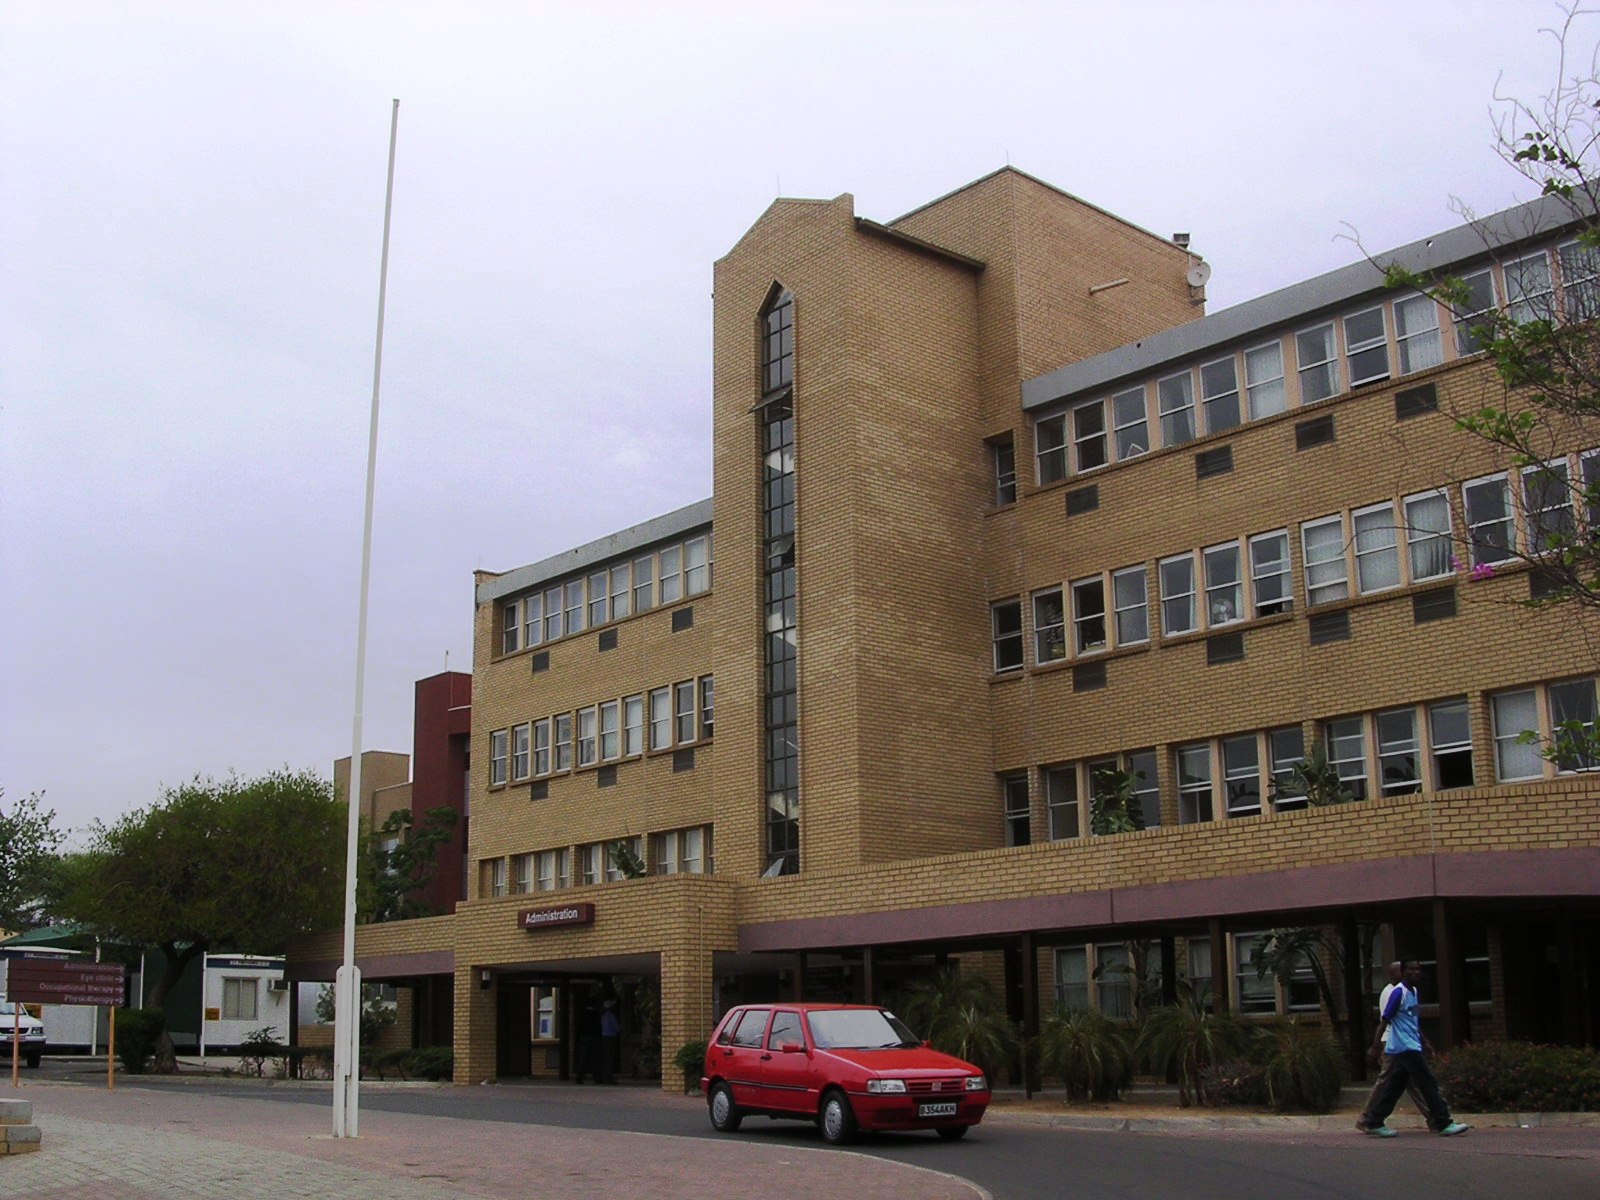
(671,574)
(1367,345)
(544,1000)
(599,610)
(519,751)
(1269,573)
(633,725)
(541,747)
(1399,764)
(777,344)
(1089,615)
(1050,448)
(239,998)
(708,721)
(1580,280)
(1113,981)
(533,619)
(574,601)
(521,873)
(1263,375)
(1346,743)
(644,580)
(1014,805)
(1319,368)
(660,719)
(511,622)
(1006,618)
(1547,506)
(1177,594)
(623,848)
(1146,786)
(563,740)
(1241,775)
(1199,955)
(1219,393)
(610,718)
(1327,574)
(1471,326)
(1488,512)
(552,870)
(1416,333)
(588,740)
(687,719)
(1089,435)
(1072,977)
(679,852)
(1377,557)
(1005,471)
(1528,292)
(752,1028)
(592,861)
(1061,800)
(1450,731)
(1428,535)
(1132,612)
(497,876)
(1589,468)
(497,757)
(1132,430)
(552,613)
(1224,588)
(1194,783)
(1175,399)
(696,566)
(621,591)
(1286,750)
(1257,993)
(1049,626)
(1515,713)
(1572,716)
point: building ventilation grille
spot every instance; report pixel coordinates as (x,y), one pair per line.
(1437,604)
(541,661)
(608,639)
(1543,584)
(1089,677)
(1330,627)
(1316,432)
(683,760)
(1413,402)
(1213,462)
(1083,500)
(605,777)
(1224,648)
(539,791)
(683,619)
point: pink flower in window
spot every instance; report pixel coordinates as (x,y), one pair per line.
(1482,571)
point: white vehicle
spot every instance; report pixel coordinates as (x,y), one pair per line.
(32,1041)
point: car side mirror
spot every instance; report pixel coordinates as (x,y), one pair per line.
(791,1048)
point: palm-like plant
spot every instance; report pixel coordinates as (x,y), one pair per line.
(1302,1065)
(1089,1052)
(1185,1038)
(1315,778)
(1281,952)
(959,1014)
(1114,806)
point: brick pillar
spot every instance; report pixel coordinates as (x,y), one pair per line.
(686,1006)
(475,1024)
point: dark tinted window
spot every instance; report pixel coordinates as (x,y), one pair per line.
(751,1026)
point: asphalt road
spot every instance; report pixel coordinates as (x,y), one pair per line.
(1015,1159)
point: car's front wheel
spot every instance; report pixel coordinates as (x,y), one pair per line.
(725,1114)
(32,1057)
(837,1119)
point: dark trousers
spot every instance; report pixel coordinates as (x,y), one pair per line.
(588,1056)
(608,1059)
(1410,1068)
(1377,1090)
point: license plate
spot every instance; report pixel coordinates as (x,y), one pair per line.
(945,1108)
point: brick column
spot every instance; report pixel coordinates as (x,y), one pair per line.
(475,1024)
(686,1006)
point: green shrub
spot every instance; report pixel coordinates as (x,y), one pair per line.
(431,1062)
(1185,1038)
(1521,1077)
(1236,1081)
(691,1060)
(1302,1066)
(1087,1051)
(258,1048)
(138,1030)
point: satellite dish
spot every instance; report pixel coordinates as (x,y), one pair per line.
(1198,274)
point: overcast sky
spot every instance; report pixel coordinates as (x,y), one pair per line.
(191,202)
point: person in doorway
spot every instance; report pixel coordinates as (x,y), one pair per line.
(610,1043)
(1375,1054)
(589,1041)
(1402,1041)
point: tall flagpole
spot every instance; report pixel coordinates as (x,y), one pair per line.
(347,988)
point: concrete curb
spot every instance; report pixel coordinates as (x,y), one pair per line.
(1213,1122)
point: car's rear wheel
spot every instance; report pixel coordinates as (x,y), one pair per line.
(838,1119)
(32,1057)
(952,1133)
(725,1114)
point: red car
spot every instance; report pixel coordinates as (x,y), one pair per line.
(844,1066)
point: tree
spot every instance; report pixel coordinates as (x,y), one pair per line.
(397,862)
(28,843)
(1114,806)
(241,864)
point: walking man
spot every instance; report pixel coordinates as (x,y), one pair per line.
(1396,973)
(1403,1044)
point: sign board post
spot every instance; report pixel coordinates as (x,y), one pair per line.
(54,981)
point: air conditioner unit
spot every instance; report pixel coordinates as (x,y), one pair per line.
(277,985)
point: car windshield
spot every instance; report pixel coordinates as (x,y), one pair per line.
(859,1029)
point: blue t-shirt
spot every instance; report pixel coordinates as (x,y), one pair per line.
(1404,1031)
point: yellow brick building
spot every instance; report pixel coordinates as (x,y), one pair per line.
(1001,521)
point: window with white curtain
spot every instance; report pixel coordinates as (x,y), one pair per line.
(1327,573)
(1516,713)
(1416,333)
(1428,535)
(1489,522)
(1175,399)
(1263,374)
(1177,594)
(1318,363)
(1377,558)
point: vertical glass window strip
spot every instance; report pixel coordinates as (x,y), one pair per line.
(522,873)
(621,591)
(1089,615)
(1580,280)
(1006,621)
(683,706)
(588,742)
(644,583)
(1263,375)
(574,606)
(497,757)
(1327,574)
(1428,535)
(1269,573)
(610,722)
(563,739)
(1005,472)
(520,739)
(1146,786)
(547,870)
(1474,324)
(664,853)
(1377,553)
(1515,713)
(1450,732)
(1489,521)
(1089,435)
(1547,506)
(696,567)
(1367,345)
(671,579)
(1194,783)
(1416,333)
(1113,977)
(552,613)
(633,725)
(1177,594)
(1241,775)
(1014,793)
(1219,393)
(777,345)
(1589,499)
(782,751)
(541,747)
(1132,427)
(1257,993)
(1318,363)
(1049,632)
(1346,745)
(1050,448)
(1572,723)
(592,862)
(694,853)
(497,877)
(1286,749)
(1061,800)
(1072,977)
(1399,764)
(708,713)
(1132,607)
(1175,400)
(1224,585)
(1199,956)
(599,610)
(511,626)
(533,619)
(660,719)
(1528,292)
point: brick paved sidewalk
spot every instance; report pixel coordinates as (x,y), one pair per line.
(137,1144)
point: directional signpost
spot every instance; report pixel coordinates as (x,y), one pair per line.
(53,981)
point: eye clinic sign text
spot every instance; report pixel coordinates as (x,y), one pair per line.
(547,918)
